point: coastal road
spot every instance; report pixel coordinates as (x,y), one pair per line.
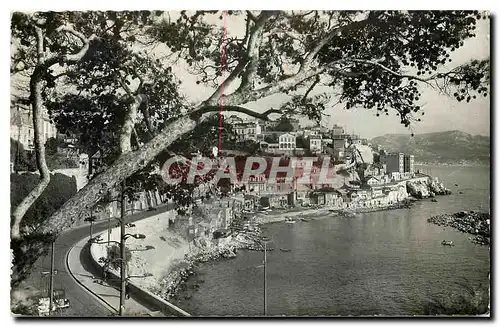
(83,303)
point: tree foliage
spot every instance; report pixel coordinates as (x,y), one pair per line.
(284,125)
(98,75)
(60,189)
(365,56)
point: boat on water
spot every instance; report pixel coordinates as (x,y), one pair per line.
(289,220)
(285,250)
(434,200)
(449,243)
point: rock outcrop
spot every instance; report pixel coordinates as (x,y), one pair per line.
(475,223)
(418,189)
(437,187)
(424,188)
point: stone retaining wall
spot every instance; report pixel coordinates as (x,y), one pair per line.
(137,291)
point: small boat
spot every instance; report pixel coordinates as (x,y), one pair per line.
(289,220)
(285,250)
(434,200)
(449,243)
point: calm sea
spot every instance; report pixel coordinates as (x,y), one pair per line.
(388,263)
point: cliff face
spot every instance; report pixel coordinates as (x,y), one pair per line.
(418,189)
(437,187)
(424,188)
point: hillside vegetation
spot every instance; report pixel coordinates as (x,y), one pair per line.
(442,147)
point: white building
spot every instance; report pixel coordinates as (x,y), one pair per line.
(372,181)
(21,127)
(315,144)
(256,184)
(287,141)
(248,131)
(314,131)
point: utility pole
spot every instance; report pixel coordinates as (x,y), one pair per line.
(265,278)
(109,232)
(51,282)
(122,252)
(91,222)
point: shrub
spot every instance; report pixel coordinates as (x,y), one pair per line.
(114,254)
(59,190)
(57,161)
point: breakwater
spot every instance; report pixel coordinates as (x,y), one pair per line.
(474,223)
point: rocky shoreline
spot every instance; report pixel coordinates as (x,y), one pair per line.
(407,204)
(426,189)
(178,284)
(474,223)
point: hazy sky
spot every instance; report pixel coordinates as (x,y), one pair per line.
(441,112)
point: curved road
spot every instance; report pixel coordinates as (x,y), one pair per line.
(83,303)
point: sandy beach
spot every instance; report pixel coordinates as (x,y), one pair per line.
(281,215)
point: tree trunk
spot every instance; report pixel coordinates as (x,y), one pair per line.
(27,202)
(128,125)
(125,166)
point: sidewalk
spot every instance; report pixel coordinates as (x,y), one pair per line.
(83,270)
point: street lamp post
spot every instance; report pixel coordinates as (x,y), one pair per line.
(91,219)
(123,281)
(123,266)
(265,240)
(109,234)
(51,285)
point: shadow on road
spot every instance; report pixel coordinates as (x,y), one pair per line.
(96,272)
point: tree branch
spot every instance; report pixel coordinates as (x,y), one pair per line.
(249,58)
(40,53)
(129,123)
(390,71)
(207,109)
(124,85)
(252,53)
(147,120)
(251,15)
(316,81)
(336,30)
(86,43)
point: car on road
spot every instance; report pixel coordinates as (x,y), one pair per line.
(60,302)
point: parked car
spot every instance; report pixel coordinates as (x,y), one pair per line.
(58,303)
